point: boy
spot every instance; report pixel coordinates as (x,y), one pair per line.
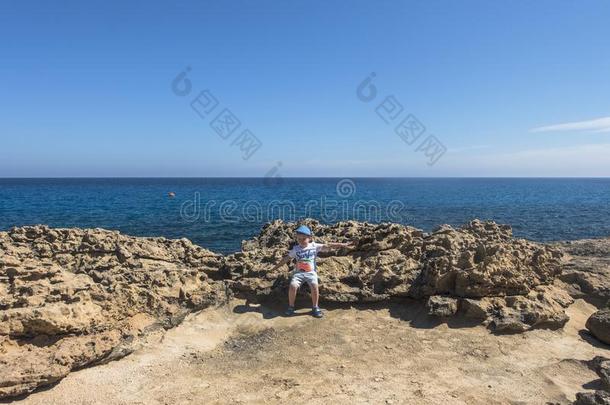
(305,253)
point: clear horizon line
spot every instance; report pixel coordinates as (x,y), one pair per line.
(297,177)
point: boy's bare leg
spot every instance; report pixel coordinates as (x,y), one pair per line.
(292,295)
(315,295)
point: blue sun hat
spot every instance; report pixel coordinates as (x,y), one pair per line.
(304,230)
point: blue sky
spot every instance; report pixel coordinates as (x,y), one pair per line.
(513,88)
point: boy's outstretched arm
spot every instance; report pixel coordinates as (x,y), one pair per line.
(285,260)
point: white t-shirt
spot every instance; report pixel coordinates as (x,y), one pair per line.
(305,256)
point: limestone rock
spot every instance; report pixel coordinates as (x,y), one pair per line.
(601,365)
(592,398)
(73,297)
(599,325)
(483,259)
(441,306)
(395,261)
(587,269)
(542,307)
(495,278)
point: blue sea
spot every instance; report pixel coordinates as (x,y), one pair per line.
(218,213)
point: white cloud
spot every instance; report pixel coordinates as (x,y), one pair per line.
(596,125)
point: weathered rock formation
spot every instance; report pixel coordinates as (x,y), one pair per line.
(480,269)
(598,397)
(599,325)
(587,270)
(72,297)
(601,366)
(586,275)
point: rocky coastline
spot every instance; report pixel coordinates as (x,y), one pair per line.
(71,298)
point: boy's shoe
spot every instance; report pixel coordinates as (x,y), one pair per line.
(317,312)
(289,311)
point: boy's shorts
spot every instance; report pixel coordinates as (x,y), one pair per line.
(310,277)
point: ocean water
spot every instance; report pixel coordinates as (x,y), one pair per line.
(218,213)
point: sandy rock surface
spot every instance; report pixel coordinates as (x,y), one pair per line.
(363,354)
(587,272)
(601,396)
(70,298)
(496,279)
